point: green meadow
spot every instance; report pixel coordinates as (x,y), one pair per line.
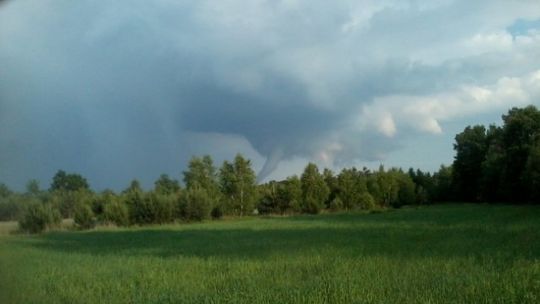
(459,253)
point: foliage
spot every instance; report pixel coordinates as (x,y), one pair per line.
(135,201)
(498,164)
(314,190)
(336,204)
(38,217)
(443,188)
(134,186)
(292,193)
(366,201)
(162,207)
(65,201)
(201,173)
(5,191)
(150,208)
(116,212)
(407,190)
(216,213)
(386,187)
(331,181)
(196,204)
(63,181)
(166,186)
(351,187)
(12,207)
(238,185)
(471,147)
(83,216)
(32,187)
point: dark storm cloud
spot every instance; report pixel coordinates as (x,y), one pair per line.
(117,89)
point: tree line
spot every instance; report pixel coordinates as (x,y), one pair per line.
(493,164)
(500,163)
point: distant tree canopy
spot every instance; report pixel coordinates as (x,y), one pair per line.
(499,164)
(238,185)
(63,181)
(202,173)
(4,191)
(315,191)
(166,185)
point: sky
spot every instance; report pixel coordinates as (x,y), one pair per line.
(124,89)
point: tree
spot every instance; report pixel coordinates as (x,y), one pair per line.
(424,185)
(520,133)
(336,204)
(201,173)
(351,185)
(332,182)
(292,193)
(83,216)
(196,204)
(492,166)
(385,187)
(238,185)
(66,201)
(68,182)
(269,198)
(442,180)
(407,188)
(38,216)
(117,212)
(314,190)
(5,191)
(471,147)
(32,187)
(133,197)
(165,185)
(531,174)
(134,186)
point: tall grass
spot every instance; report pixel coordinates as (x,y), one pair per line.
(441,254)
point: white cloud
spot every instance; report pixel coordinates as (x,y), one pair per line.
(424,113)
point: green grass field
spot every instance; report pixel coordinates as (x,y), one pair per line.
(440,254)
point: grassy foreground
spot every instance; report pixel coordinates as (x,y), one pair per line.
(439,254)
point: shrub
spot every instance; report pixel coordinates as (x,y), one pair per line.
(10,208)
(311,205)
(38,216)
(406,193)
(217,213)
(116,212)
(366,201)
(152,208)
(336,204)
(162,207)
(83,216)
(197,204)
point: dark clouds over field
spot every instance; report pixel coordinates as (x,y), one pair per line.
(121,89)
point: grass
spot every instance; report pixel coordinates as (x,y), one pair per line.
(441,254)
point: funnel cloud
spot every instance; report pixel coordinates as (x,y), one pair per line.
(116,90)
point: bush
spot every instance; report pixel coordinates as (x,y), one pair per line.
(116,212)
(38,216)
(311,205)
(83,216)
(162,207)
(10,208)
(336,204)
(151,208)
(197,204)
(216,213)
(366,201)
